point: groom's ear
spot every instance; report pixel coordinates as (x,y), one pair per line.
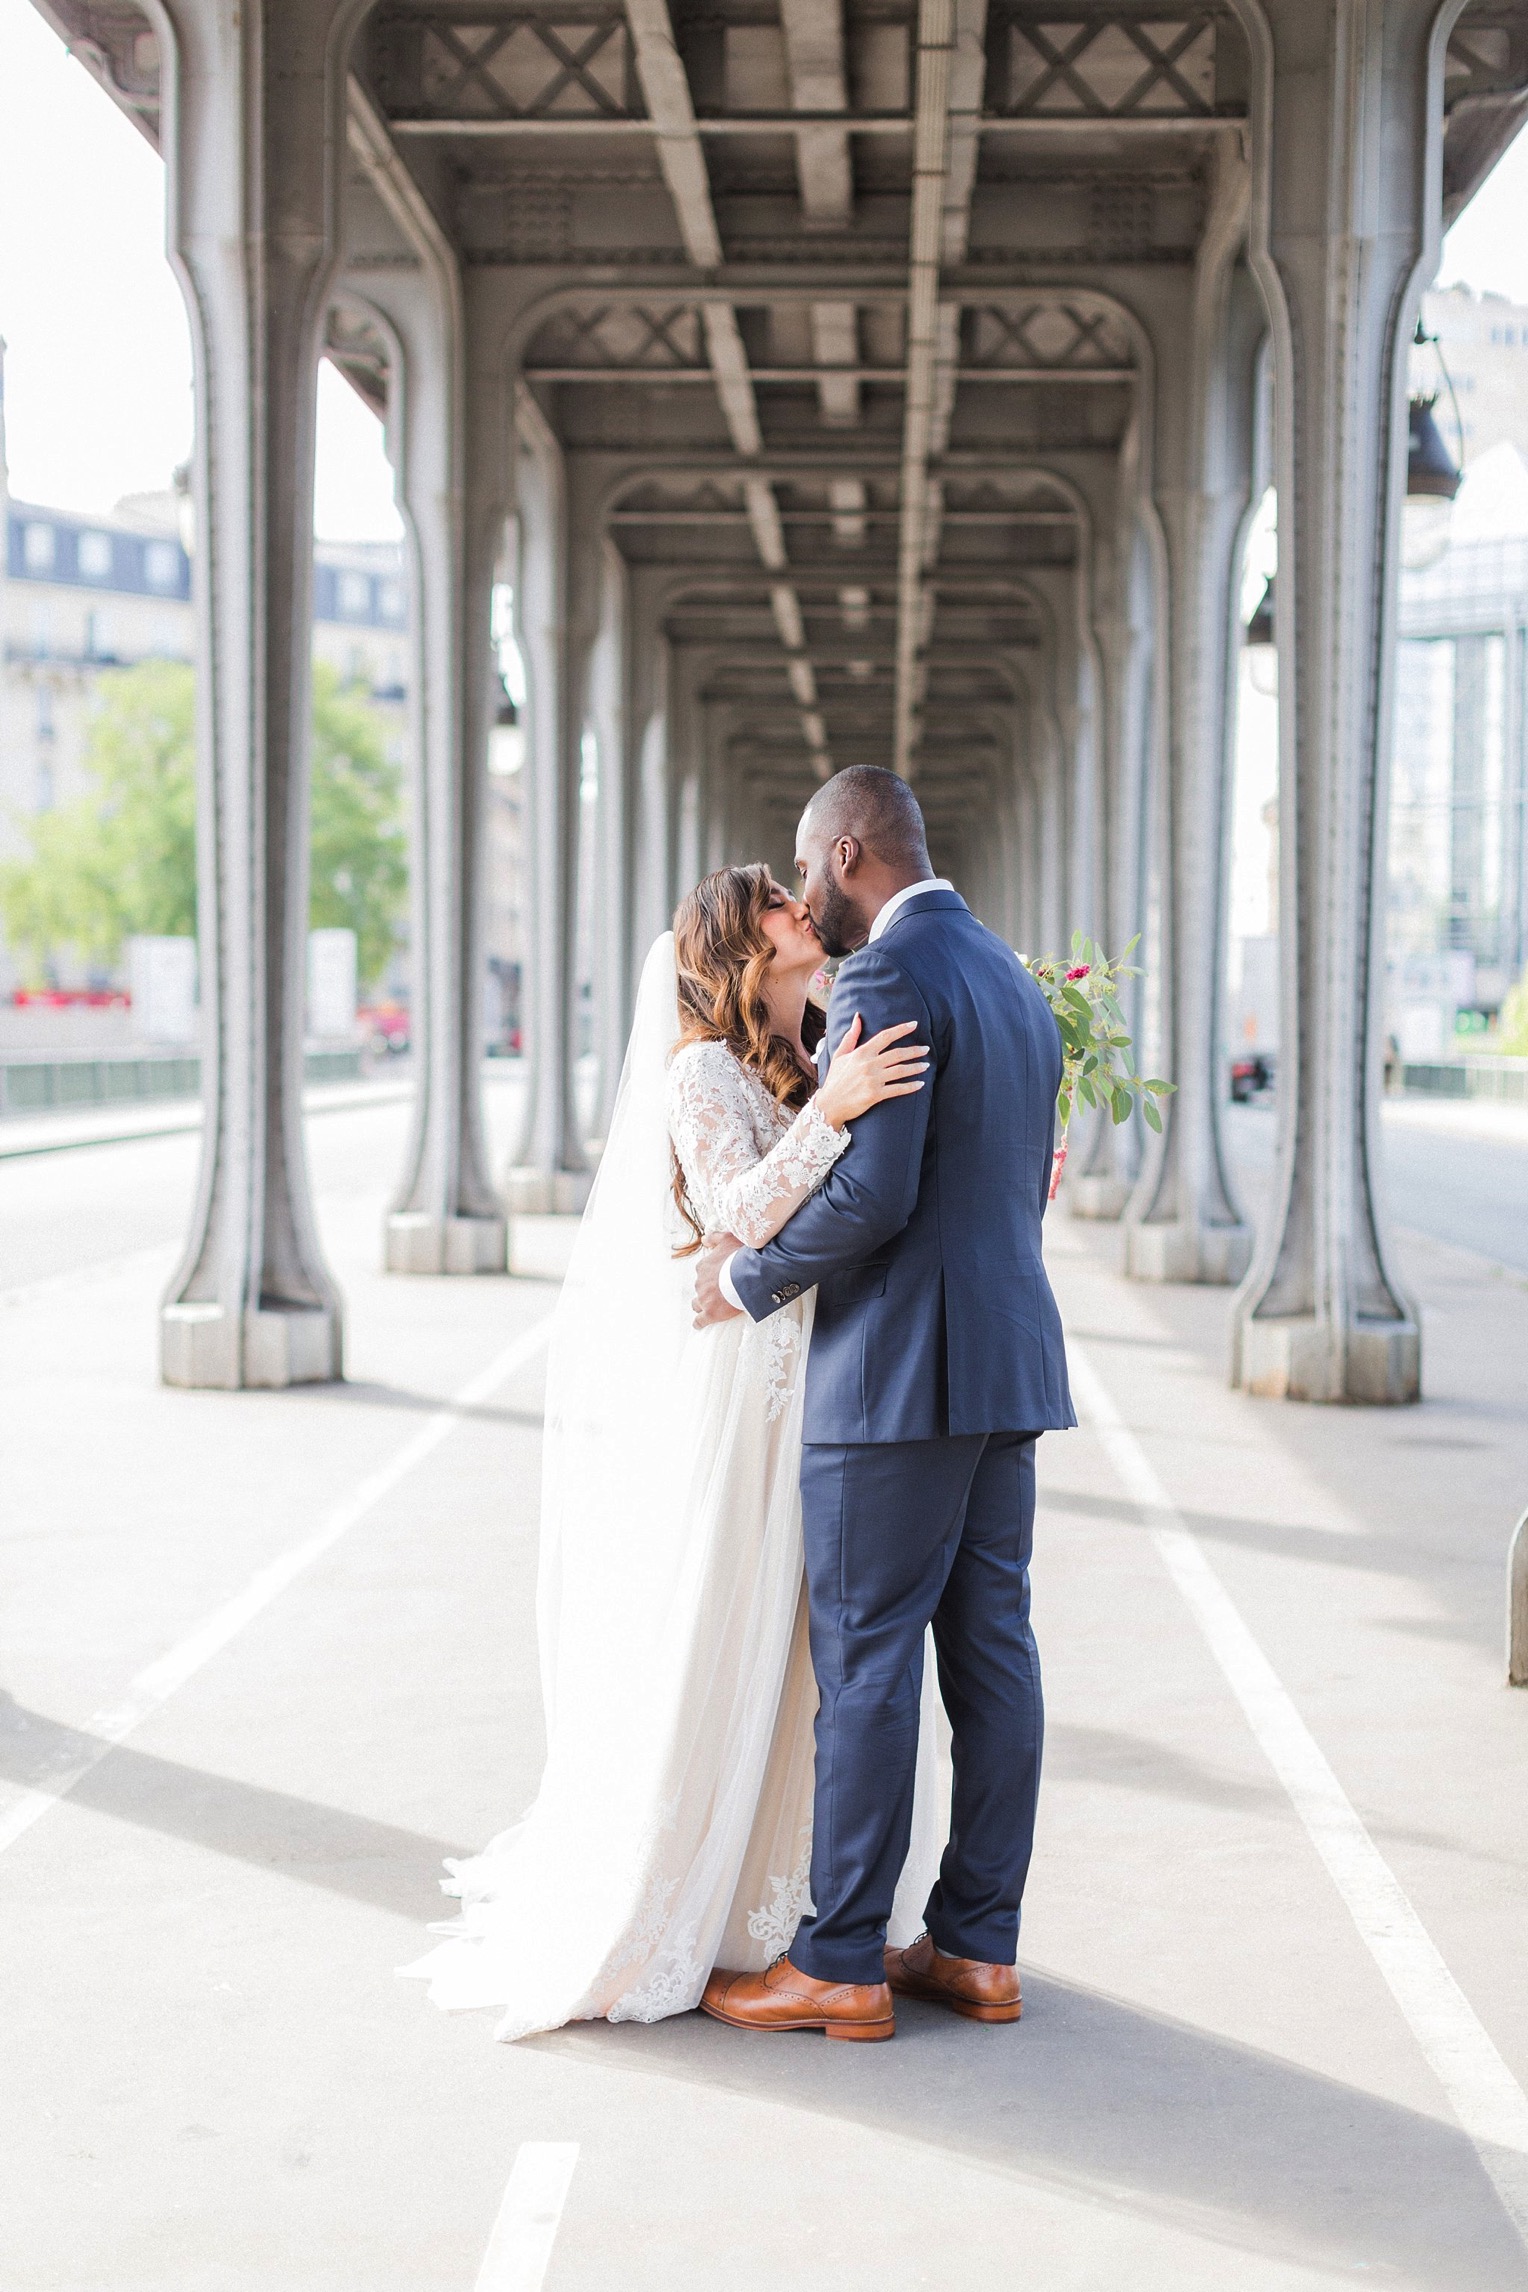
(850,851)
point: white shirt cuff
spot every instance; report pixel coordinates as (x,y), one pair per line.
(724,1283)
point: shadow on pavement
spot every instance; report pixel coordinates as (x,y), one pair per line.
(372,1394)
(1129,2109)
(375,1863)
(1077,1753)
(1413,1557)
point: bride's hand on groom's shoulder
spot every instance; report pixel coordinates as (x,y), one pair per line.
(863,1073)
(710,1305)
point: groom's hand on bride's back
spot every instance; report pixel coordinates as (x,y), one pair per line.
(710,1305)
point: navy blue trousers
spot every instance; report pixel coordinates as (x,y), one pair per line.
(900,1534)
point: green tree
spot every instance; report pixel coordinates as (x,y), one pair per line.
(121,859)
(360,867)
(1514,1021)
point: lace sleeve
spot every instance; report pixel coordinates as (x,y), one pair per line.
(737,1188)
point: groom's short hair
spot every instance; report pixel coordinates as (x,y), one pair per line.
(877,808)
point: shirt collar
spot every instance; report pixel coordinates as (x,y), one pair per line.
(899,899)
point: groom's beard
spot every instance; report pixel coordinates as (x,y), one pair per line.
(839,924)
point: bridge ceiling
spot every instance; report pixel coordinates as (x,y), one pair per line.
(832,277)
(835,290)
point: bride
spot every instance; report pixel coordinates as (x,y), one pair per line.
(672,1828)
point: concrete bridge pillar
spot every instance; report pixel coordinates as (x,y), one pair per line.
(446,1217)
(649,667)
(258,130)
(1182,1222)
(1105,1157)
(1343,214)
(610,723)
(557,596)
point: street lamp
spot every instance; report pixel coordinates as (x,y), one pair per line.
(1431,472)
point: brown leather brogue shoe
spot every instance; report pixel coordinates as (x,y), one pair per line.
(966,1985)
(782,1998)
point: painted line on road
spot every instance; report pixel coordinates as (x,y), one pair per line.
(520,2248)
(160,1681)
(87,1276)
(1486,2098)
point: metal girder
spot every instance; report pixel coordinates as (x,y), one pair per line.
(671,115)
(667,90)
(894,377)
(733,517)
(117,45)
(739,125)
(1485,96)
(814,49)
(1118,64)
(951,68)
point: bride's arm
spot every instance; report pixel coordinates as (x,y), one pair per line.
(753,1195)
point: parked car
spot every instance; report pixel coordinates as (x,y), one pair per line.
(1252,1078)
(385,1027)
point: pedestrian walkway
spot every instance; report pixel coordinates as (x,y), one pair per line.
(281,1646)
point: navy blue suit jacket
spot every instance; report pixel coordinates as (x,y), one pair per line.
(934,1313)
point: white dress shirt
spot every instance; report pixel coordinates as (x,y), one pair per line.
(899,900)
(886,917)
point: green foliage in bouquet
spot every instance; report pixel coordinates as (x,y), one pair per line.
(1095,1062)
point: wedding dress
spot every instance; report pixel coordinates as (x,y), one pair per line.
(672,1828)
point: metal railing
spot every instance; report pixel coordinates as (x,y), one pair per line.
(1504,1079)
(82,1079)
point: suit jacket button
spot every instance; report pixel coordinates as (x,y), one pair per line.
(793,1289)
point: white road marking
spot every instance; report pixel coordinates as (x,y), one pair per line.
(159,1682)
(99,1269)
(1486,2098)
(520,2247)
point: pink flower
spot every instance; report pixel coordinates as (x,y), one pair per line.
(1081,971)
(1058,1164)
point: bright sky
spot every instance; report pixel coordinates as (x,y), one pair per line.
(98,369)
(98,359)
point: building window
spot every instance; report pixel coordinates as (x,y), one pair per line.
(390,600)
(44,785)
(161,565)
(38,548)
(355,596)
(95,556)
(45,711)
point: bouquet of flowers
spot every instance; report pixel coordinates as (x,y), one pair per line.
(1095,1065)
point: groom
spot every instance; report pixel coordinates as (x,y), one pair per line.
(936,1360)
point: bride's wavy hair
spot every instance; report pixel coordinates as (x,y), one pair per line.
(722,957)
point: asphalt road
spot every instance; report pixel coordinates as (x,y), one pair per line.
(1457,1173)
(62,1213)
(283,1644)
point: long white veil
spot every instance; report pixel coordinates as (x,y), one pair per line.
(613,1385)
